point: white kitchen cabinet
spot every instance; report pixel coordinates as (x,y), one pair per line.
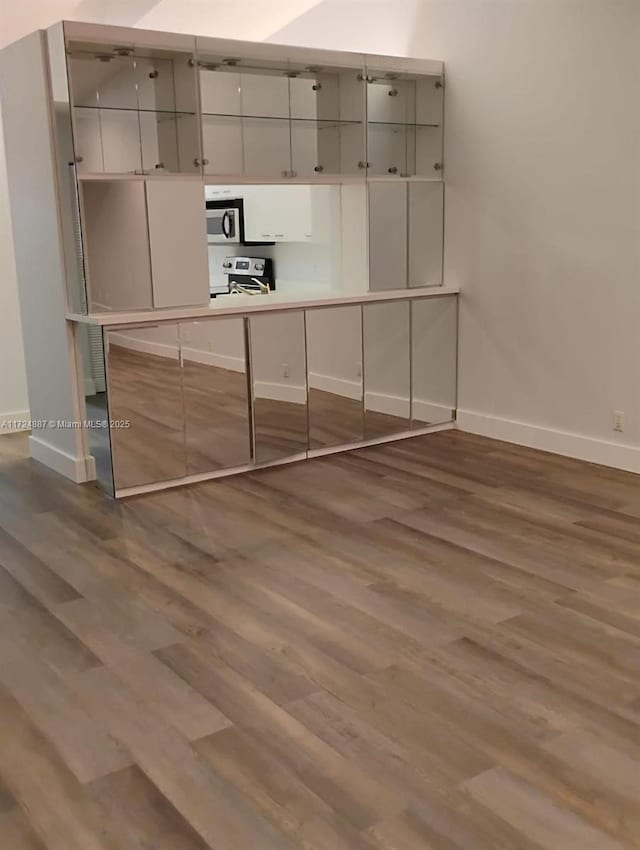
(281,214)
(177,243)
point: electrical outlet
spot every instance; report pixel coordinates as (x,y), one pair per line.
(618,420)
(285,370)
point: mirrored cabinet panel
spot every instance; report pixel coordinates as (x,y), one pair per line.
(134,110)
(216,402)
(279,385)
(144,383)
(90,352)
(434,345)
(334,374)
(387,368)
(404,123)
(406,234)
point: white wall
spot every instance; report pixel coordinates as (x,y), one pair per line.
(543,167)
(14,402)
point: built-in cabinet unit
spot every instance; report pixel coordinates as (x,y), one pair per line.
(163,106)
(337,161)
(213,396)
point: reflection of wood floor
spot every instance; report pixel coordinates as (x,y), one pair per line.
(428,645)
(150,392)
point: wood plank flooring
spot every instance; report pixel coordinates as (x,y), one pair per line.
(427,645)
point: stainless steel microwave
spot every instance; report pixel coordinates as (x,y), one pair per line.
(224,221)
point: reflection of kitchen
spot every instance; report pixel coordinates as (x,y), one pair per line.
(288,239)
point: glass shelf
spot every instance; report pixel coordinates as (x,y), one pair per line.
(134,113)
(135,109)
(401,124)
(333,121)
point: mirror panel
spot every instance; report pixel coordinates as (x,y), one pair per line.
(334,375)
(426,233)
(90,353)
(388,235)
(216,405)
(279,385)
(387,368)
(434,343)
(145,390)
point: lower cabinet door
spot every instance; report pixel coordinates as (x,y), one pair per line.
(334,375)
(387,368)
(279,385)
(216,403)
(145,405)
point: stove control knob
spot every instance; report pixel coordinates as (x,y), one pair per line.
(259,267)
(227,264)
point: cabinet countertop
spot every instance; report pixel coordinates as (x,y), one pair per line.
(229,305)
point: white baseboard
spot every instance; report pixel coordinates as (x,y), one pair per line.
(8,421)
(89,387)
(78,469)
(592,449)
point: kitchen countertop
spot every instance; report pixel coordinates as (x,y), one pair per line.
(242,304)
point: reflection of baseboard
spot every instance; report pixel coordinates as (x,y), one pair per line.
(423,411)
(337,386)
(193,355)
(429,411)
(211,358)
(78,469)
(392,405)
(160,349)
(280,392)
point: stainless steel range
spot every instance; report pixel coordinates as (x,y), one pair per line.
(249,275)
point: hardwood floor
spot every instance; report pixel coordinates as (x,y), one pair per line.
(427,645)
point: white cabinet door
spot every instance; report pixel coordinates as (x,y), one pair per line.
(178,243)
(387,236)
(277,213)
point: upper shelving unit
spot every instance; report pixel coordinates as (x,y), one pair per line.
(223,109)
(404,123)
